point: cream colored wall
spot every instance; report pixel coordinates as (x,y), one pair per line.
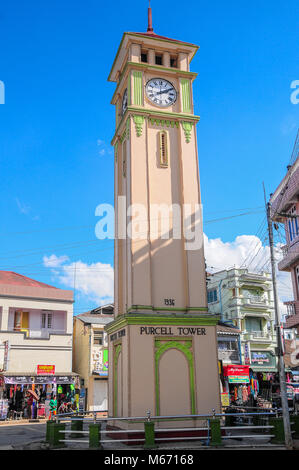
(149,272)
(24,304)
(26,354)
(167,256)
(81,350)
(174,384)
(140,268)
(197,292)
(207,373)
(138,389)
(120,378)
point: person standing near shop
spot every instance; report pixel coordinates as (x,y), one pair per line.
(53,407)
(29,405)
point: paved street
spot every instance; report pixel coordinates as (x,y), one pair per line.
(19,434)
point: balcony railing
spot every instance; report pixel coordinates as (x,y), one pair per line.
(256,299)
(255,335)
(253,301)
(36,334)
(228,355)
(291,308)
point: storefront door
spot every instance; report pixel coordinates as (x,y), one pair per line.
(100,394)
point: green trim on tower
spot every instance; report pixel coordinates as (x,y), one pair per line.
(180,43)
(117,351)
(165,309)
(184,346)
(138,120)
(148,67)
(126,133)
(187,127)
(186,95)
(137,88)
(151,113)
(163,122)
(129,89)
(115,151)
(116,114)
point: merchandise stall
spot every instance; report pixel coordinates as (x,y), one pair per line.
(3,402)
(28,396)
(237,384)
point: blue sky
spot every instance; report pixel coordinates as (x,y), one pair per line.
(56,163)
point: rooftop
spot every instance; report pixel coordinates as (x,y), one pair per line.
(96,316)
(16,285)
(15,279)
(227,329)
(151,40)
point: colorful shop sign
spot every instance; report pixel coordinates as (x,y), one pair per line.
(39,379)
(45,370)
(247,353)
(237,373)
(100,362)
(261,358)
(105,361)
(225,399)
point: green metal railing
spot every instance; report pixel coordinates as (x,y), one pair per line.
(218,429)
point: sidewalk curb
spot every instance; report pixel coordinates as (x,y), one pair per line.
(23,445)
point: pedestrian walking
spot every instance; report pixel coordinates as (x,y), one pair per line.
(53,407)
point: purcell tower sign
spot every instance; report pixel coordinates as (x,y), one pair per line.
(162,343)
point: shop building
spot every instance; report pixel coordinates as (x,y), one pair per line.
(228,340)
(245,300)
(285,209)
(229,353)
(90,356)
(35,342)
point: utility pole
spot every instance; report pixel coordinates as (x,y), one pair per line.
(281,366)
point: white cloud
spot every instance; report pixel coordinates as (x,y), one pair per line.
(247,251)
(25,209)
(94,281)
(54,261)
(105,149)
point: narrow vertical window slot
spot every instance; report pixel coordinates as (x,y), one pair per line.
(163,149)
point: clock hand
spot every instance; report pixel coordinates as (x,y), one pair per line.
(164,91)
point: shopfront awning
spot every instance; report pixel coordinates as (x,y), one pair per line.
(263,369)
(26,378)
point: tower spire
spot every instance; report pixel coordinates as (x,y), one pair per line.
(150,19)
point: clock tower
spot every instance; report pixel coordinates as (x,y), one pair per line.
(163,341)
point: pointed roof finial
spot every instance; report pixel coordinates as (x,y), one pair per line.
(150,20)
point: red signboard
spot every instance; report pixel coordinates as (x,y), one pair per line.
(45,370)
(235,370)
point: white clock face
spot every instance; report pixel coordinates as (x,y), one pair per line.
(161,92)
(124,101)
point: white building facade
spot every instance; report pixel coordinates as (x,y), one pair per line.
(245,300)
(35,326)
